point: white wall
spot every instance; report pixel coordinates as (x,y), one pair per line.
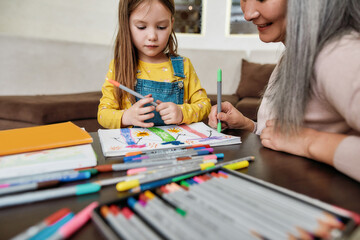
(31,66)
(95,21)
(84,21)
(64,46)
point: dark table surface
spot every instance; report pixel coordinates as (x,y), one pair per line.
(300,175)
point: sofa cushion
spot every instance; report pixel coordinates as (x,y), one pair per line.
(45,109)
(90,125)
(233,99)
(249,107)
(11,124)
(254,77)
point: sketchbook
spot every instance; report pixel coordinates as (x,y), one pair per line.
(118,142)
(49,160)
(42,137)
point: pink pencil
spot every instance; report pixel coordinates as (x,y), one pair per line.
(75,223)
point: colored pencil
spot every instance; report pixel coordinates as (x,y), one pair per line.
(62,176)
(170,168)
(50,230)
(170,155)
(132,92)
(219,83)
(158,222)
(28,187)
(75,223)
(127,185)
(33,230)
(42,195)
(121,230)
(210,158)
(142,228)
(115,210)
(168,150)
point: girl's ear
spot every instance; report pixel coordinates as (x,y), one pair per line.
(172,21)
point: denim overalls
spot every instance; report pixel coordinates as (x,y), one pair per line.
(164,91)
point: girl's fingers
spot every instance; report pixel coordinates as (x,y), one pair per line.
(164,112)
(146,117)
(144,101)
(145,110)
(140,121)
(160,106)
(166,117)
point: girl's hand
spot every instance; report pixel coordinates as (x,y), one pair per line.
(137,114)
(170,112)
(230,117)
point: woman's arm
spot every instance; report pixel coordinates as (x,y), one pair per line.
(309,143)
(338,150)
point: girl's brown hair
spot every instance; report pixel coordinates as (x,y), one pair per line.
(125,54)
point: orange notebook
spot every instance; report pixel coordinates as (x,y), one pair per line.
(42,137)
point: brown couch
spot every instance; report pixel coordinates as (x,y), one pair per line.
(81,108)
(27,111)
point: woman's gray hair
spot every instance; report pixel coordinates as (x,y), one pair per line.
(311,24)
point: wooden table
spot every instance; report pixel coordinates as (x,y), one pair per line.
(298,174)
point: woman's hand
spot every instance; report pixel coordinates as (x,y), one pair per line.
(137,113)
(320,146)
(170,112)
(297,144)
(230,117)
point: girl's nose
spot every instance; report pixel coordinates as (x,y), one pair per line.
(250,10)
(152,36)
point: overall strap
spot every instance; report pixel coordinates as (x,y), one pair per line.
(178,66)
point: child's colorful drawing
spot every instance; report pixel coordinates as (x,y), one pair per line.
(116,142)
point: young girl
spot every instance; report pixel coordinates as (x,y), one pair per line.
(146,61)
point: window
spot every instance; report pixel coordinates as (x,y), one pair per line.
(188,16)
(238,25)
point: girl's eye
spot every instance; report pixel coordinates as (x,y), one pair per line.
(161,28)
(141,27)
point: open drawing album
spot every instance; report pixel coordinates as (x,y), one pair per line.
(47,160)
(118,142)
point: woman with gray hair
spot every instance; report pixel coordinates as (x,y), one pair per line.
(311,105)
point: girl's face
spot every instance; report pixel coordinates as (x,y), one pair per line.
(269,16)
(150,26)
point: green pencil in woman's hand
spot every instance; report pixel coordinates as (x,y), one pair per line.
(219,82)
